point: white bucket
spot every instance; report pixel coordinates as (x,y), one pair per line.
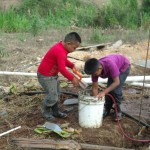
(90,111)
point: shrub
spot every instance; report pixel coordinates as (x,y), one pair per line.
(118,13)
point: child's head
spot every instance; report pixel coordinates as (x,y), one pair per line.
(71,41)
(93,67)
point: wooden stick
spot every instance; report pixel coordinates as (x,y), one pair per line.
(69,144)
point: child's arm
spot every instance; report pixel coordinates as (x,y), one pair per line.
(69,64)
(61,61)
(95,88)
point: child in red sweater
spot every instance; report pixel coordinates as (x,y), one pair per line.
(55,61)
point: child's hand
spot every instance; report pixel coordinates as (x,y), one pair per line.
(78,68)
(75,81)
(101,95)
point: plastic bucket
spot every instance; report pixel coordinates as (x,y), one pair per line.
(90,111)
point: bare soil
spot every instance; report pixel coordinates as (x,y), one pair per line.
(23,110)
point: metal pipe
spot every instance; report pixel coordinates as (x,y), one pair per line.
(139,121)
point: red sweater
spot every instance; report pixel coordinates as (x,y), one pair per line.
(55,61)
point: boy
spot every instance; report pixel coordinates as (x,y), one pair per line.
(116,68)
(56,61)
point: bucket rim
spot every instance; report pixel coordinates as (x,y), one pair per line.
(92,102)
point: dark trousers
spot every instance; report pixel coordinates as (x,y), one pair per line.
(51,86)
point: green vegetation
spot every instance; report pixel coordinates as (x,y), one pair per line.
(97,35)
(145,13)
(3,53)
(118,13)
(34,15)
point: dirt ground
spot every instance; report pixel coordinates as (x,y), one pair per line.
(25,110)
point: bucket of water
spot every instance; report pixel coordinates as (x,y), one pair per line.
(90,110)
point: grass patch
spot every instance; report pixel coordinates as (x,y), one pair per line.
(3,53)
(33,16)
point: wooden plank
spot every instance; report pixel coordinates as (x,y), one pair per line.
(69,144)
(99,147)
(98,46)
(75,58)
(45,143)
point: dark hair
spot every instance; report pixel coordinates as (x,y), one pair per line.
(91,66)
(72,37)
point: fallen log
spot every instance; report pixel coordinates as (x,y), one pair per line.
(69,144)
